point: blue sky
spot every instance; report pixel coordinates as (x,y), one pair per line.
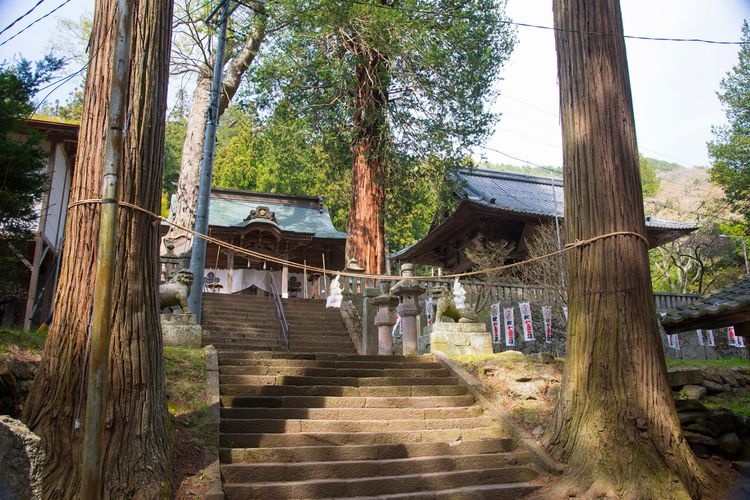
(674,84)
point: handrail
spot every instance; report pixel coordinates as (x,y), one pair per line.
(280,315)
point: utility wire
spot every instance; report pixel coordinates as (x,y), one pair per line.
(551,28)
(36,21)
(22,16)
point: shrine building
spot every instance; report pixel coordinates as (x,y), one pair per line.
(293,228)
(505,207)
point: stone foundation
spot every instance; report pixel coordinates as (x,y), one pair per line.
(456,339)
(22,458)
(181,330)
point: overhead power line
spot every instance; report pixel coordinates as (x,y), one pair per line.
(448,13)
(22,16)
(32,23)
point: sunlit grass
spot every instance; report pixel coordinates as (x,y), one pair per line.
(31,341)
(709,363)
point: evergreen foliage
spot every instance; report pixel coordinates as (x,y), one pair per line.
(730,150)
(409,80)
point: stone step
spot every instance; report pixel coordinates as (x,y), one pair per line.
(363,452)
(256,347)
(339,357)
(230,315)
(337,381)
(357,358)
(294,340)
(331,372)
(272,330)
(223,298)
(509,491)
(321,328)
(345,402)
(292,308)
(401,391)
(282,348)
(266,440)
(221,339)
(304,471)
(268,303)
(335,426)
(353,414)
(240,358)
(384,485)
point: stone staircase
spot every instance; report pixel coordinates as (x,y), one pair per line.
(323,422)
(247,322)
(297,425)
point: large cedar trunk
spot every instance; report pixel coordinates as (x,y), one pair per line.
(137,443)
(365,242)
(615,422)
(186,195)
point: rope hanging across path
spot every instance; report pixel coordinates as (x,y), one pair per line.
(295,265)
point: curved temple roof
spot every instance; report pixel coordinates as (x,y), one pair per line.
(294,214)
(503,195)
(729,305)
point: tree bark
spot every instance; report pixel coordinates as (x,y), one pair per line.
(186,195)
(615,422)
(365,241)
(137,441)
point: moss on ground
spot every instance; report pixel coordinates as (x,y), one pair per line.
(12,339)
(185,369)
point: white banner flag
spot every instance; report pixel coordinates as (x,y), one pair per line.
(528,329)
(676,341)
(699,333)
(731,336)
(428,310)
(565,312)
(495,321)
(710,341)
(670,341)
(741,341)
(547,315)
(510,332)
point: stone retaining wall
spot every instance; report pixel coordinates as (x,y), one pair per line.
(718,430)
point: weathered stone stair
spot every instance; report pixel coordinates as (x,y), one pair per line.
(334,425)
(247,322)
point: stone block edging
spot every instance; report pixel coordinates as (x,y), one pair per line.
(519,434)
(211,453)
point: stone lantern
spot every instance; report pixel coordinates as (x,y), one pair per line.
(385,318)
(408,291)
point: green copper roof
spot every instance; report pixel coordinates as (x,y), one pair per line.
(296,214)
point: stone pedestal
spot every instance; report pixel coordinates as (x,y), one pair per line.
(408,291)
(456,339)
(180,329)
(369,310)
(385,318)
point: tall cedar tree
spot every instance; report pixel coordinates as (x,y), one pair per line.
(22,174)
(194,54)
(730,151)
(615,422)
(396,82)
(137,444)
